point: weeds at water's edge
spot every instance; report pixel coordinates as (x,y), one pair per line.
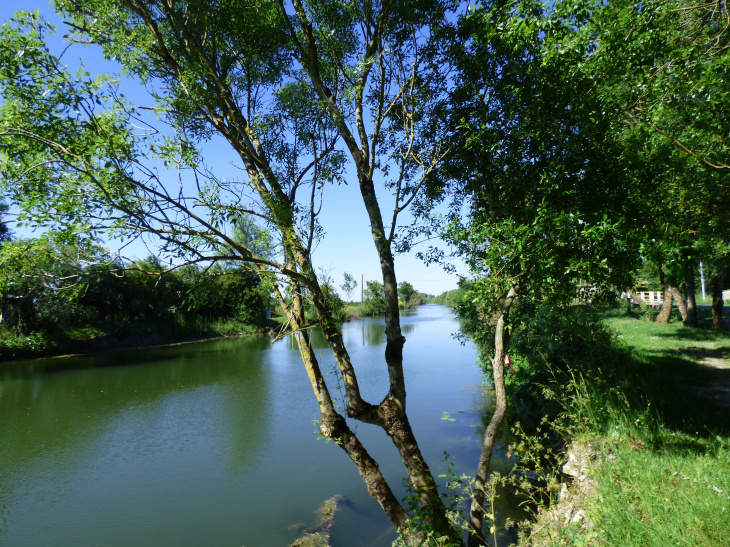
(101,335)
(647,452)
(655,472)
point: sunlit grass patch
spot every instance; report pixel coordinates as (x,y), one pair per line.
(677,493)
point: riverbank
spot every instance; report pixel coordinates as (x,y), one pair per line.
(102,336)
(648,461)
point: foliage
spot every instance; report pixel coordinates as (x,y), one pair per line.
(18,347)
(108,290)
(549,349)
(660,72)
(332,300)
(5,232)
(374,298)
(405,292)
(451,298)
(348,286)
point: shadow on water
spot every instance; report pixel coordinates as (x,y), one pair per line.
(130,356)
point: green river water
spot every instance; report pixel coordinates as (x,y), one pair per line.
(213,443)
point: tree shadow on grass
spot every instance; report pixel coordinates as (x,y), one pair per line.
(688,395)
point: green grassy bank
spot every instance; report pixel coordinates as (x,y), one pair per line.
(657,424)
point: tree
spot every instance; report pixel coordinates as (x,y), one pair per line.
(374,298)
(540,192)
(349,286)
(286,87)
(662,68)
(405,292)
(589,140)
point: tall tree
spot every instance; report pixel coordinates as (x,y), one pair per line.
(286,86)
(594,130)
(663,72)
(540,193)
(405,291)
(349,285)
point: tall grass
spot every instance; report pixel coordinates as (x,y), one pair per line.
(662,468)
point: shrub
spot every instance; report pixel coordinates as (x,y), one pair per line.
(34,344)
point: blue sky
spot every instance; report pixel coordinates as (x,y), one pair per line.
(347,245)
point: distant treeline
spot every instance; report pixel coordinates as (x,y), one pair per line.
(450,298)
(136,292)
(374,297)
(113,297)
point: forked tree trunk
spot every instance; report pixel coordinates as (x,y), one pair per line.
(690,318)
(501,343)
(332,424)
(666,312)
(717,301)
(391,412)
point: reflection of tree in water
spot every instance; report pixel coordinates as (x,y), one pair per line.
(407,328)
(315,335)
(486,403)
(139,404)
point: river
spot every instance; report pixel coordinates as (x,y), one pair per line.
(214,443)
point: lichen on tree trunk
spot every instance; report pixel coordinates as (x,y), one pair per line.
(666,312)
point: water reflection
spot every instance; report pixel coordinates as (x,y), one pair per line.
(159,416)
(213,443)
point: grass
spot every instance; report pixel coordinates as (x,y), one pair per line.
(651,336)
(675,493)
(660,429)
(676,368)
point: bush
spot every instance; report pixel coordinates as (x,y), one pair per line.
(550,350)
(374,298)
(19,347)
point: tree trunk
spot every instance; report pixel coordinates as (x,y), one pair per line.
(392,410)
(690,319)
(332,424)
(628,301)
(666,312)
(636,298)
(390,414)
(662,278)
(680,301)
(717,301)
(501,343)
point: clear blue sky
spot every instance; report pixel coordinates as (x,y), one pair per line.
(347,245)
